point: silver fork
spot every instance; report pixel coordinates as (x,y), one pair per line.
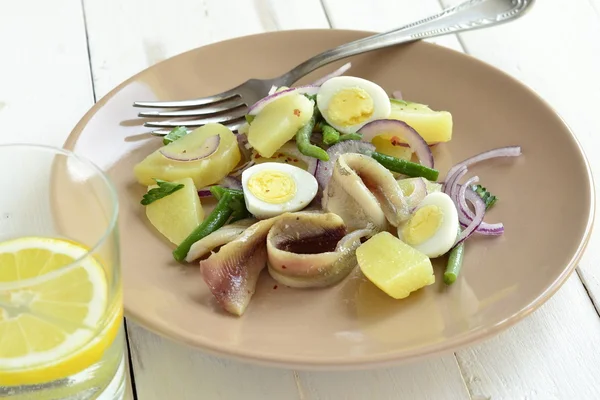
(229,107)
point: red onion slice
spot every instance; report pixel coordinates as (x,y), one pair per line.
(449,187)
(403,130)
(325,168)
(465,215)
(484,228)
(418,194)
(452,187)
(243,145)
(209,147)
(205,192)
(461,191)
(340,71)
(262,103)
(291,149)
(396,94)
(479,205)
(509,151)
(230,183)
(238,171)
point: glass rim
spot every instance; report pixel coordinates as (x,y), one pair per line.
(114,198)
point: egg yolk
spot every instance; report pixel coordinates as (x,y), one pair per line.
(270,186)
(423,225)
(349,107)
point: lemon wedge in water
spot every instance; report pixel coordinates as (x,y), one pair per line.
(54,317)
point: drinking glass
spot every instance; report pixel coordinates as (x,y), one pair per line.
(61,312)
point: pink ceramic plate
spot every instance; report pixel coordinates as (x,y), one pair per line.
(546,203)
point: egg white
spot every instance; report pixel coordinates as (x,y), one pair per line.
(306,189)
(381,102)
(445,236)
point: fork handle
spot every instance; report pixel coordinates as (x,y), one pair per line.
(469,15)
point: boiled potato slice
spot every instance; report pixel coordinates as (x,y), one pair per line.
(203,172)
(393,266)
(433,126)
(278,122)
(391,147)
(178,214)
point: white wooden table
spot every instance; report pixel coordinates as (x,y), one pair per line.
(57,57)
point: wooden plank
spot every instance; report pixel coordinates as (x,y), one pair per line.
(39,67)
(126,37)
(554,354)
(544,356)
(129,392)
(45,77)
(559,344)
(437,378)
(383,15)
(563,68)
(167,370)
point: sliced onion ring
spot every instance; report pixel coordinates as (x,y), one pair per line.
(479,205)
(453,186)
(418,193)
(238,171)
(242,140)
(509,151)
(465,214)
(463,207)
(340,71)
(403,130)
(208,148)
(291,149)
(396,94)
(230,183)
(262,103)
(205,192)
(325,168)
(485,228)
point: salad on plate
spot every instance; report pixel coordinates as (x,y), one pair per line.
(320,179)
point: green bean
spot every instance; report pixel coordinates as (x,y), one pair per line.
(304,144)
(405,167)
(330,135)
(455,260)
(351,136)
(219,191)
(239,214)
(488,198)
(237,203)
(312,97)
(216,219)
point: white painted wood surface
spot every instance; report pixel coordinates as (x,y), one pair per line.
(538,358)
(39,69)
(554,354)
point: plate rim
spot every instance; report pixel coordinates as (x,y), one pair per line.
(392,358)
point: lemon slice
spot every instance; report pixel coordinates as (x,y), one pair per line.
(53,310)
